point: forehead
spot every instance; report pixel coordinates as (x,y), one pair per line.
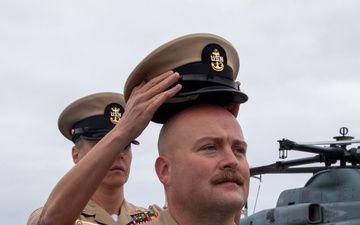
(206,121)
(87,143)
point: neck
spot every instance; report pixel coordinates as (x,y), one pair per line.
(184,217)
(109,199)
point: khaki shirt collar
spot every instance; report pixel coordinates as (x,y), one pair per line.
(99,214)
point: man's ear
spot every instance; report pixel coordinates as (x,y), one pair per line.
(163,170)
(75,154)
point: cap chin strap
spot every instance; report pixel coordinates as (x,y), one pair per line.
(99,136)
(208,78)
(94,133)
(98,129)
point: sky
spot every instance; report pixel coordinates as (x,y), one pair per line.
(299,65)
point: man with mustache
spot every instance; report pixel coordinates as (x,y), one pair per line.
(202,153)
(203,167)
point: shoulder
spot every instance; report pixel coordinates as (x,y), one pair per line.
(34,216)
(133,208)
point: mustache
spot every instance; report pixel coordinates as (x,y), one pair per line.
(228,176)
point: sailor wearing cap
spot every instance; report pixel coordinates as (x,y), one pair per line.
(208,66)
(92,117)
(85,122)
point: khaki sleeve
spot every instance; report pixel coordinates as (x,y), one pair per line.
(34,216)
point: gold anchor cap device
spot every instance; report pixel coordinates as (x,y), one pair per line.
(92,116)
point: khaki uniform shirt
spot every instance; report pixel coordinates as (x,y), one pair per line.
(93,214)
(164,219)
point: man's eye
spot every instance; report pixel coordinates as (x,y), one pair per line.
(240,151)
(128,146)
(210,147)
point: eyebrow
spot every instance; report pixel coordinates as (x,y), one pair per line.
(242,143)
(216,139)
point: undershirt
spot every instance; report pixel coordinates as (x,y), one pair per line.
(115,217)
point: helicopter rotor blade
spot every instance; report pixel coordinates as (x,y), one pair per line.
(283,166)
(330,142)
(331,152)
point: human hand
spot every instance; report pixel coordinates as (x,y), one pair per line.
(145,99)
(233,108)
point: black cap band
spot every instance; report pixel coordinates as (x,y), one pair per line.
(93,128)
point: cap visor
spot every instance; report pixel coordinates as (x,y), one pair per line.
(100,136)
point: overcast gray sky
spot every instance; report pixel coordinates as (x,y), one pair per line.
(299,66)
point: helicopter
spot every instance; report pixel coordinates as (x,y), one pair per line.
(330,197)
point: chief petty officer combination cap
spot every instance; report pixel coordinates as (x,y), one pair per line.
(208,66)
(92,116)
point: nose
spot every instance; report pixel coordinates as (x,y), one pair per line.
(229,161)
(121,155)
